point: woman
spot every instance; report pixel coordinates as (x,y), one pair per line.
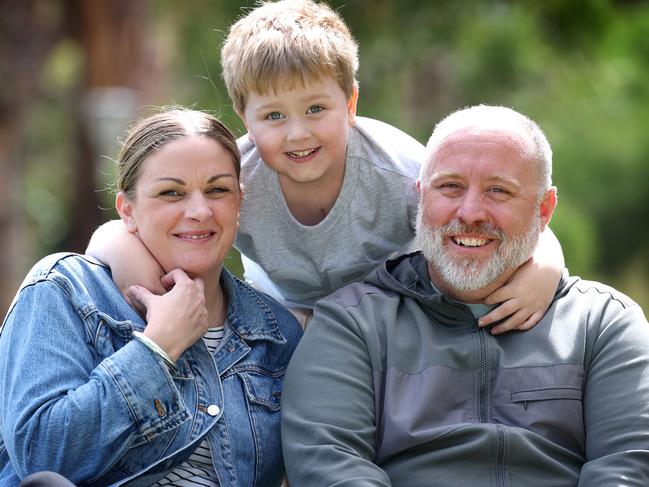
(92,391)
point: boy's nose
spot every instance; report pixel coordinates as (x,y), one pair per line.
(197,207)
(297,131)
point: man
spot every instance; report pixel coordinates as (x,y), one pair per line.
(395,384)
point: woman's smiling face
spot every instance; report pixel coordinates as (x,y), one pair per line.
(185,206)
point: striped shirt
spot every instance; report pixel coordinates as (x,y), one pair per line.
(198,469)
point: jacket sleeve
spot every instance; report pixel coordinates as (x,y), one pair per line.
(616,400)
(328,418)
(63,407)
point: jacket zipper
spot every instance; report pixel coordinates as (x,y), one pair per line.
(501,479)
(482,397)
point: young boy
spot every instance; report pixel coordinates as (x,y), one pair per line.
(329,195)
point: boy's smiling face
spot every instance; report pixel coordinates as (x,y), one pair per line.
(301,131)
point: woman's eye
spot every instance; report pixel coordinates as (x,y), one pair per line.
(315,109)
(169,192)
(274,116)
(218,190)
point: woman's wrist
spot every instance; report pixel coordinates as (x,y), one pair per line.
(155,348)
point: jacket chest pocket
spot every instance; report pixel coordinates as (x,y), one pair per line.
(555,412)
(263,389)
(110,334)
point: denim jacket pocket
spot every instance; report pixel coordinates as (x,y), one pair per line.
(264,389)
(110,334)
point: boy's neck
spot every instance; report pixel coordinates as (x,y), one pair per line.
(310,202)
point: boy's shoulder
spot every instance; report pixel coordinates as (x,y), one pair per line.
(385,147)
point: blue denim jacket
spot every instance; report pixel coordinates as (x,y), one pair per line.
(79,396)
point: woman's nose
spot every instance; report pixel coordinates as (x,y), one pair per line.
(197,207)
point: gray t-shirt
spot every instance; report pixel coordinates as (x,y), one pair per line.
(372,219)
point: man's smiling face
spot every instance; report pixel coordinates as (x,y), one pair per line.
(480,214)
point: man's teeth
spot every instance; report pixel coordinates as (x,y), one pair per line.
(302,153)
(471,242)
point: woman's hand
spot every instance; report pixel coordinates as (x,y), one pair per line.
(176,319)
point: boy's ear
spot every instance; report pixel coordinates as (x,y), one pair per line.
(351,107)
(245,123)
(126,211)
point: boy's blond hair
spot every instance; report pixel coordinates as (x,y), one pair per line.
(287,41)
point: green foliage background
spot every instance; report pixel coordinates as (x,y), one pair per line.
(580,69)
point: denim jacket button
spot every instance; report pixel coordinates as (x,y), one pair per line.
(213,410)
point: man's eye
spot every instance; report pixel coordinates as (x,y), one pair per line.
(498,190)
(274,116)
(315,109)
(450,186)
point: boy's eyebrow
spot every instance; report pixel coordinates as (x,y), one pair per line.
(277,104)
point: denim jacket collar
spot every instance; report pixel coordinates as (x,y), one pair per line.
(250,322)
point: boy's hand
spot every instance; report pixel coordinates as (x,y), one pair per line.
(530,291)
(177,319)
(129,260)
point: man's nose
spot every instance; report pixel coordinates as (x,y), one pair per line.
(197,206)
(472,207)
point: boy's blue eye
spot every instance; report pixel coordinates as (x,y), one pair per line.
(274,116)
(315,109)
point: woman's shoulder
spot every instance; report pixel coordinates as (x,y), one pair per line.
(65,266)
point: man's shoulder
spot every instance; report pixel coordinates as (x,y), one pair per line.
(595,291)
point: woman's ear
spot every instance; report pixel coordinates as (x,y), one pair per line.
(126,211)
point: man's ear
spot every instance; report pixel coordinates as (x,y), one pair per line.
(419,187)
(126,211)
(351,106)
(548,204)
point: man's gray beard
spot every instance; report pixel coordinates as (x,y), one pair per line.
(470,274)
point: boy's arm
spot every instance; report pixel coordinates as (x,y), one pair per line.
(529,292)
(129,260)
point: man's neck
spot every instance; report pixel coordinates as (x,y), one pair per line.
(467,297)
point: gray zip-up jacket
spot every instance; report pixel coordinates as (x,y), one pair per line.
(394,384)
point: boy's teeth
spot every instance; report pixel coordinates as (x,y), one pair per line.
(471,242)
(301,153)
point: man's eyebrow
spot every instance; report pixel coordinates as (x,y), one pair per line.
(445,174)
(504,179)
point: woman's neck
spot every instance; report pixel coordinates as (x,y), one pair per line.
(215,300)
